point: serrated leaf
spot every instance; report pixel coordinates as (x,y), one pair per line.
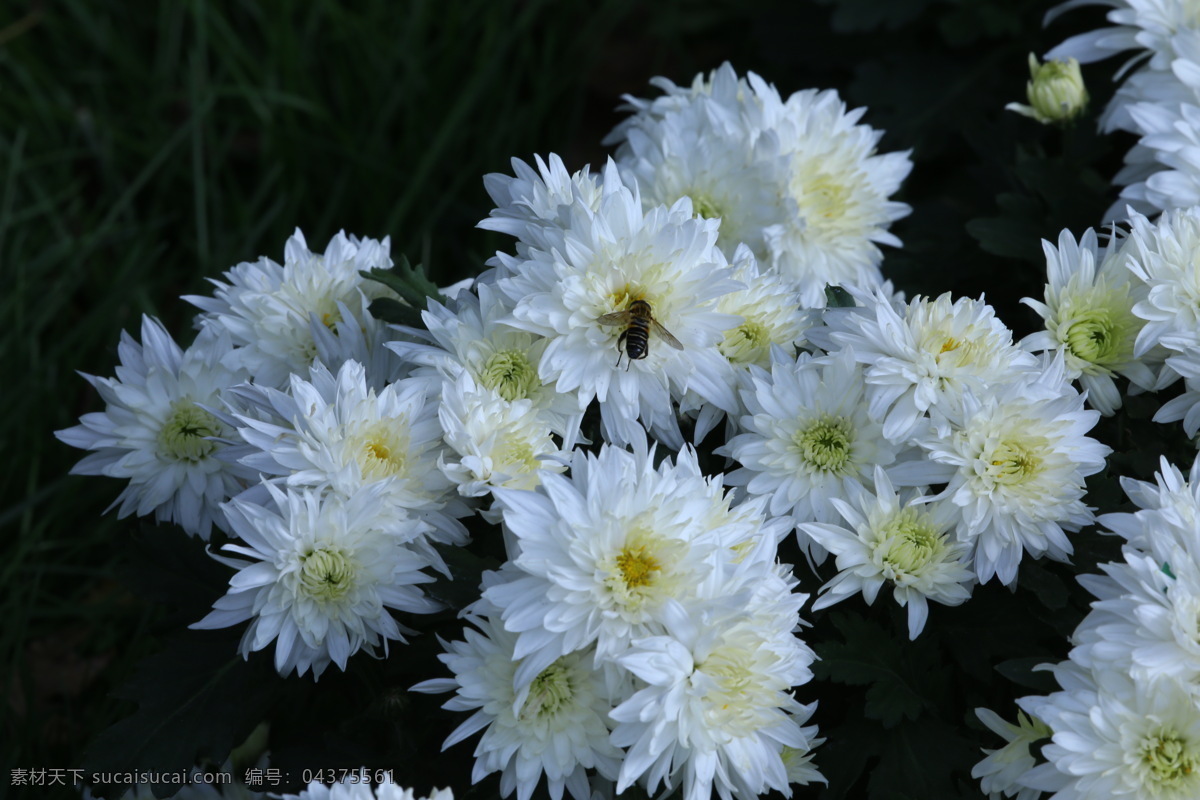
(872,657)
(196,698)
(413,288)
(919,760)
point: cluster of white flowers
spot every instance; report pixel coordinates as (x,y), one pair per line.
(1126,720)
(798,180)
(1158,100)
(987,443)
(641,629)
(289,426)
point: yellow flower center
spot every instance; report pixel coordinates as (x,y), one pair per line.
(638,566)
(381,449)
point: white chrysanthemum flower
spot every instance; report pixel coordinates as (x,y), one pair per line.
(335,433)
(1088,311)
(498,443)
(926,355)
(156,430)
(599,555)
(716,710)
(360,789)
(1163,169)
(1016,469)
(601,263)
(1170,513)
(1163,254)
(1118,738)
(556,725)
(531,201)
(268,308)
(709,149)
(1184,407)
(884,541)
(999,774)
(800,182)
(770,311)
(324,573)
(1146,619)
(808,438)
(1137,24)
(473,337)
(771,317)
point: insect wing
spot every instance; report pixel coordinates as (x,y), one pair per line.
(665,335)
(615,318)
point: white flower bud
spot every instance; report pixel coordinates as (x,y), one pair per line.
(1055,90)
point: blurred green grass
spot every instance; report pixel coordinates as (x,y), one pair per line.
(147,146)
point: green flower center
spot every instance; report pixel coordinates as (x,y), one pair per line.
(326,574)
(909,543)
(748,343)
(827,444)
(518,453)
(182,437)
(1014,463)
(550,691)
(1167,759)
(510,375)
(1094,337)
(706,207)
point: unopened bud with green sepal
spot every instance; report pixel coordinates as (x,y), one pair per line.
(1055,90)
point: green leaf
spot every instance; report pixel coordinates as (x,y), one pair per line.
(871,656)
(196,698)
(1021,672)
(919,760)
(466,570)
(413,288)
(837,297)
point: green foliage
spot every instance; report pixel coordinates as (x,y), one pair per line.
(410,285)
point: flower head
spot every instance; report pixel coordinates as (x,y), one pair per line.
(1055,91)
(323,574)
(556,725)
(269,309)
(716,710)
(798,180)
(334,433)
(159,431)
(883,542)
(1019,459)
(1088,310)
(599,265)
(808,438)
